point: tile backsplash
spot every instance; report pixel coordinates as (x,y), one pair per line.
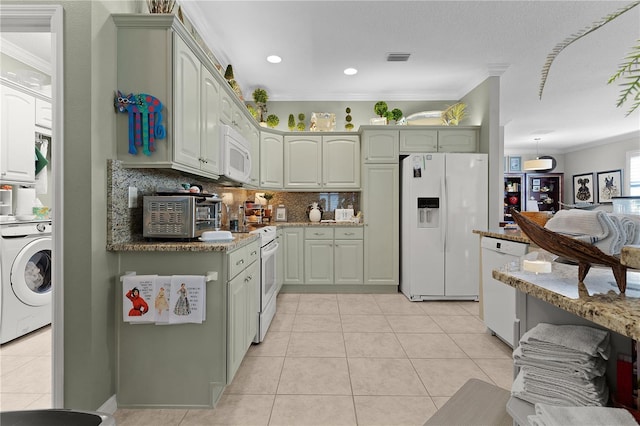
(124,224)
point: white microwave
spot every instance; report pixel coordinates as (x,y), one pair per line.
(235,154)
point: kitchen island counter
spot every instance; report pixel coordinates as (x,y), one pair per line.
(504,234)
(597,299)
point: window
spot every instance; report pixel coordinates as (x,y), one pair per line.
(633,165)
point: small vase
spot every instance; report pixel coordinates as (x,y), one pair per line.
(314,214)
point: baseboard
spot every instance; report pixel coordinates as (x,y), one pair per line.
(110,405)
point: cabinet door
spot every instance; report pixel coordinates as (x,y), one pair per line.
(210,137)
(380,203)
(254,140)
(418,141)
(293,256)
(302,162)
(44,114)
(380,146)
(457,140)
(318,261)
(349,259)
(341,162)
(186,106)
(280,261)
(237,324)
(271,160)
(17,135)
(253,301)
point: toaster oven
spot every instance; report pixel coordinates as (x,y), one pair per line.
(180,216)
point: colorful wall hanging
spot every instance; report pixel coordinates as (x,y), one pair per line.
(145,120)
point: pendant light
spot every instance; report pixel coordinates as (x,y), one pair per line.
(538,163)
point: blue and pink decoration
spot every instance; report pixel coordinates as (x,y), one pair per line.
(145,120)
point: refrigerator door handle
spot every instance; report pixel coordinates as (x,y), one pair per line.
(443,213)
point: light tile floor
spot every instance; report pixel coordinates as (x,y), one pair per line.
(352,359)
(25,372)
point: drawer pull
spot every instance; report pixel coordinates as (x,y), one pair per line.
(318,233)
(240,262)
(253,253)
(349,233)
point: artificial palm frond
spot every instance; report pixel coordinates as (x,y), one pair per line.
(577,36)
(630,71)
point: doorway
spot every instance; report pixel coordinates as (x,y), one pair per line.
(49,19)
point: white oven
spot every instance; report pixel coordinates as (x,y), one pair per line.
(235,155)
(268,279)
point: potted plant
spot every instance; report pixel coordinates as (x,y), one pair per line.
(454,114)
(395,114)
(348,118)
(260,97)
(291,123)
(252,111)
(301,125)
(381,108)
(272,121)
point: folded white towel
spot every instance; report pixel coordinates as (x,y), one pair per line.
(612,243)
(550,415)
(552,352)
(587,370)
(592,389)
(534,394)
(631,226)
(579,222)
(586,340)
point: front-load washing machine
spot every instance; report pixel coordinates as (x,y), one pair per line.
(25,269)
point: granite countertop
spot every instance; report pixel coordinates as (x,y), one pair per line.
(239,240)
(630,256)
(597,299)
(504,234)
(299,224)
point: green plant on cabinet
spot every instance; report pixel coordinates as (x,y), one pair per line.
(348,118)
(301,125)
(273,121)
(291,123)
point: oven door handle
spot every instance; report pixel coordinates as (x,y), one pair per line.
(270,248)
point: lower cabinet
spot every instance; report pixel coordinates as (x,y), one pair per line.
(243,292)
(333,256)
(292,254)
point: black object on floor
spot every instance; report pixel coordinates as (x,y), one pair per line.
(54,417)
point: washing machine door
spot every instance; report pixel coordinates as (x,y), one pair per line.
(31,273)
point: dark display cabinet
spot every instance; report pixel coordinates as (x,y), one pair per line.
(514,194)
(546,190)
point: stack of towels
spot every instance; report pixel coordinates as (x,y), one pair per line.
(562,365)
(607,231)
(549,415)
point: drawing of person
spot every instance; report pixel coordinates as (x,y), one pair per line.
(140,306)
(182,305)
(161,301)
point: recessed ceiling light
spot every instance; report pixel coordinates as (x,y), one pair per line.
(274,59)
(350,71)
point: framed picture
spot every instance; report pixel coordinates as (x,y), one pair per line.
(609,185)
(514,164)
(535,188)
(583,188)
(535,182)
(281,214)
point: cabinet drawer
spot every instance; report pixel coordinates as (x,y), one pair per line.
(318,233)
(348,233)
(238,260)
(253,252)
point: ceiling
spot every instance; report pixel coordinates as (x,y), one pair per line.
(454,46)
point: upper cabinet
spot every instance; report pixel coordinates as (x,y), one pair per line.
(17,135)
(380,146)
(321,162)
(44,114)
(195,97)
(271,160)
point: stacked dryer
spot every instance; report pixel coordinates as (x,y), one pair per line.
(25,270)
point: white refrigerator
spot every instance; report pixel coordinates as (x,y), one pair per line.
(444,198)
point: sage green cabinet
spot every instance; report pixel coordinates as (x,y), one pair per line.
(293,255)
(447,139)
(271,160)
(333,255)
(321,162)
(242,304)
(280,260)
(302,162)
(340,162)
(380,204)
(380,146)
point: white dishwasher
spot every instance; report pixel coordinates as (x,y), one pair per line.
(499,299)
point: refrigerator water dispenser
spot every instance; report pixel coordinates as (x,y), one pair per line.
(428,212)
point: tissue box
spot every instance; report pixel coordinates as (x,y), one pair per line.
(344,215)
(42,212)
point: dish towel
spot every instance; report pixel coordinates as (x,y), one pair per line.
(549,415)
(588,226)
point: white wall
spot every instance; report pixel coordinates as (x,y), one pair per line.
(604,156)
